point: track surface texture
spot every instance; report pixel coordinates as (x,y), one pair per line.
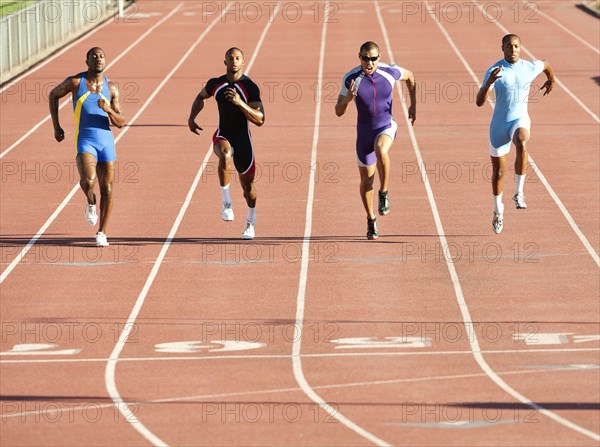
(439,333)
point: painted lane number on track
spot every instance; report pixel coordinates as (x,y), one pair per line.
(382,343)
(553,338)
(39,349)
(189,347)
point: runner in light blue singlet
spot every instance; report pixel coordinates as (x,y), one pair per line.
(512,92)
(510,80)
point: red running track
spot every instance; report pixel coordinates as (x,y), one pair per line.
(179,333)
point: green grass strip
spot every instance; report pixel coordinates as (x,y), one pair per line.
(7,8)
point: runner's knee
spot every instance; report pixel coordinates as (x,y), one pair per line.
(520,139)
(521,144)
(367,182)
(382,148)
(226,151)
(382,153)
(498,173)
(88,181)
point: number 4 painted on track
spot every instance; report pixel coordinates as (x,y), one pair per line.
(377,343)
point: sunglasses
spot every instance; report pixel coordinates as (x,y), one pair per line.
(367,58)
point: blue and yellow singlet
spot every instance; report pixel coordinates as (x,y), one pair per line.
(93,134)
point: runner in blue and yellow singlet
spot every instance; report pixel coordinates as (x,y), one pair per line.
(371,86)
(96,106)
(510,80)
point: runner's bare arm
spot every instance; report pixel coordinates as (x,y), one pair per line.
(253,111)
(547,87)
(409,77)
(483,91)
(344,100)
(197,107)
(114,108)
(64,88)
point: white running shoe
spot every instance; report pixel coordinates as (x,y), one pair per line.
(90,214)
(101,240)
(248,231)
(497,222)
(227,211)
(519,200)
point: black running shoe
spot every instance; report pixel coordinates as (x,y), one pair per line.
(384,203)
(372,232)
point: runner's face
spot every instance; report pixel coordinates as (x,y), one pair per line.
(96,61)
(234,61)
(512,50)
(369,60)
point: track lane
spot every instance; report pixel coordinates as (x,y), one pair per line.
(537,286)
(551,116)
(106,299)
(386,297)
(57,171)
(217,250)
(565,433)
(391,409)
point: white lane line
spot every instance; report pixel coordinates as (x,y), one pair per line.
(561,26)
(464,309)
(19,257)
(532,56)
(110,372)
(35,238)
(114,61)
(298,327)
(53,410)
(586,243)
(286,356)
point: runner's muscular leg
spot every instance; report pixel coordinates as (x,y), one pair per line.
(223,150)
(247,181)
(382,148)
(520,139)
(86,165)
(498,171)
(367,175)
(106,177)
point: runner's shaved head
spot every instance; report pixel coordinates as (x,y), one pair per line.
(92,51)
(368,46)
(231,50)
(509,37)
